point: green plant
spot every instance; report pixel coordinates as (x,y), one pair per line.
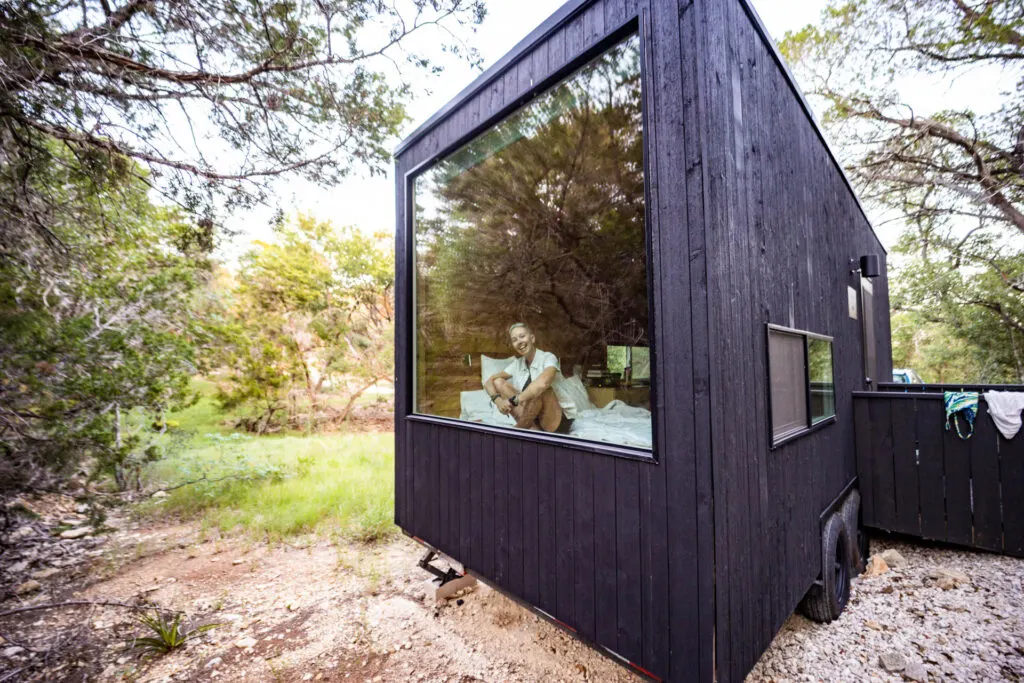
(169,633)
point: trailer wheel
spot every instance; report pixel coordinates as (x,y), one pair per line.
(825,601)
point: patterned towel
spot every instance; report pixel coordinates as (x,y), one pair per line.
(963,403)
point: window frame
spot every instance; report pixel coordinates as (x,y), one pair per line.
(638,24)
(810,424)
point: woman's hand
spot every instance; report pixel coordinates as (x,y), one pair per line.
(504,407)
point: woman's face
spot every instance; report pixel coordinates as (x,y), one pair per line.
(523,340)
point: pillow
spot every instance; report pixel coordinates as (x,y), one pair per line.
(571,391)
(492,366)
(476,405)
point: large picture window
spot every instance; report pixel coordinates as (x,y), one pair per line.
(801,382)
(531,297)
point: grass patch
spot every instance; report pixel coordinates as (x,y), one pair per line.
(277,487)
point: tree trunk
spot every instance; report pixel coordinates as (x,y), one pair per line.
(354,397)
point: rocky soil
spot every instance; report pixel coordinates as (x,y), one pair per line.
(925,614)
(321,611)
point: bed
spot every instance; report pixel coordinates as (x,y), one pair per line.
(616,422)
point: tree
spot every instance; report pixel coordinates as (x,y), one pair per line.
(956,175)
(313,306)
(94,333)
(210,96)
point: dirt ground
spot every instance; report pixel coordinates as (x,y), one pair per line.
(317,610)
(321,612)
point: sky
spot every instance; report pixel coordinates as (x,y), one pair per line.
(369,202)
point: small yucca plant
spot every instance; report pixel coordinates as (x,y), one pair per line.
(168,633)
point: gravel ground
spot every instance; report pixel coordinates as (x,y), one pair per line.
(940,615)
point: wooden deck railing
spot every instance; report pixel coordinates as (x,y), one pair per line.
(918,478)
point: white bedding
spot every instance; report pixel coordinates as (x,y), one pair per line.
(616,423)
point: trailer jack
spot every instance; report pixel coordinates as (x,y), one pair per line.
(446,582)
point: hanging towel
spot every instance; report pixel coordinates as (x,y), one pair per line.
(1005,407)
(961,403)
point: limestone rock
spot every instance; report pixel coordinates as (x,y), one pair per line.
(27,587)
(45,573)
(947,579)
(18,567)
(876,566)
(893,662)
(893,558)
(915,671)
(76,533)
(245,643)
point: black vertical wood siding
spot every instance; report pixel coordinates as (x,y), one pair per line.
(781,226)
(750,223)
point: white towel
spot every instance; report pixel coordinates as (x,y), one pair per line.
(1005,407)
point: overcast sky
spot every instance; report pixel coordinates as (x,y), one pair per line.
(368,203)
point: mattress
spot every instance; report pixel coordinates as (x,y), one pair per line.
(616,423)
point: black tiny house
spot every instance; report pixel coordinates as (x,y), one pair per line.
(640,182)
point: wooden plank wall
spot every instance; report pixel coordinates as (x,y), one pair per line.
(619,550)
(933,484)
(750,223)
(781,227)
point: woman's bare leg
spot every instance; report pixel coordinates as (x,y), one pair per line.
(551,411)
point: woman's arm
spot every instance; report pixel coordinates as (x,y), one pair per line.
(489,384)
(539,385)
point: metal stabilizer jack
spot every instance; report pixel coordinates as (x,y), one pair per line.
(445,582)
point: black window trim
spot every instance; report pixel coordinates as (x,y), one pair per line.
(638,24)
(811,425)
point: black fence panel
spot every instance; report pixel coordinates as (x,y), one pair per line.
(918,478)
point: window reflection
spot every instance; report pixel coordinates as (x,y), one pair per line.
(540,220)
(823,389)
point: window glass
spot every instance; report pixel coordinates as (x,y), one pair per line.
(788,383)
(822,384)
(540,220)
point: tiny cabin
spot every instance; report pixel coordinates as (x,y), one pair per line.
(641,190)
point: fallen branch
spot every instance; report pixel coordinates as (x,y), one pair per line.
(79,603)
(11,674)
(202,479)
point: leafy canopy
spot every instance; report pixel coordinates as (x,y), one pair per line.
(954,176)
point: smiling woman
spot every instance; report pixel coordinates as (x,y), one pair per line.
(541,218)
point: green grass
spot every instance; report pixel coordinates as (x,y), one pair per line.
(205,415)
(276,487)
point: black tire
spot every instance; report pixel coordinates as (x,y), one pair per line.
(826,600)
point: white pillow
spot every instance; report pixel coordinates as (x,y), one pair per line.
(476,405)
(492,366)
(571,391)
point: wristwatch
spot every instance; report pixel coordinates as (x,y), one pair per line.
(514,400)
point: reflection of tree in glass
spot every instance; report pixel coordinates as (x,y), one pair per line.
(542,219)
(819,359)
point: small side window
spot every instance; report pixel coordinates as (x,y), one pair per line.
(788,383)
(801,381)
